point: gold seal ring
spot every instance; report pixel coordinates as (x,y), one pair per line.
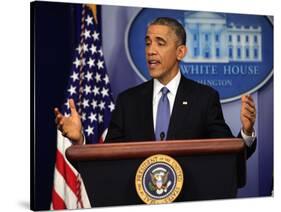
(159,179)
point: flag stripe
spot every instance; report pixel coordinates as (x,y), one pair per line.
(63,143)
(102,138)
(58,202)
(63,191)
(65,170)
(84,197)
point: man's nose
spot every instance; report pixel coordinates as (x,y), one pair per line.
(151,50)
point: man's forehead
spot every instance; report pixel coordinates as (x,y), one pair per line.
(158,31)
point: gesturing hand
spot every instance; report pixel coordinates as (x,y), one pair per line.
(248,114)
(71,127)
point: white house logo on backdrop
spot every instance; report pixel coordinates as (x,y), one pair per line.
(210,40)
(233,53)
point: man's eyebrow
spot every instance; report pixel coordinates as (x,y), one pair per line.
(158,38)
(161,39)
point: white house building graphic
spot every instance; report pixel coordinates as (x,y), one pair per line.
(211,39)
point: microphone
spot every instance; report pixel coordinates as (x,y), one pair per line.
(162,136)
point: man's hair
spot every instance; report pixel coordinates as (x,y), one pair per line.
(174,25)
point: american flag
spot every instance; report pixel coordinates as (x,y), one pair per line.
(89,87)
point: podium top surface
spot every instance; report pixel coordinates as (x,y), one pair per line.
(129,150)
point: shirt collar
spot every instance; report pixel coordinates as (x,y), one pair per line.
(172,85)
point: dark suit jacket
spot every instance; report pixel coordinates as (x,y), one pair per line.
(201,117)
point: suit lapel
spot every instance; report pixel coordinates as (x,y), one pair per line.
(147,116)
(180,109)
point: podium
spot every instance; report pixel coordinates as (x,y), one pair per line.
(212,168)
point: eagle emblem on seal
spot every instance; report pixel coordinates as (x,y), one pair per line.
(159,180)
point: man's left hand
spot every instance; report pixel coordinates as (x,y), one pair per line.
(248,114)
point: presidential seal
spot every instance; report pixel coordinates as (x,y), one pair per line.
(159,179)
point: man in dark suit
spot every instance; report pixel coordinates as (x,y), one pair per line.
(169,106)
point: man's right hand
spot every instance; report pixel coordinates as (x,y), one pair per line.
(70,127)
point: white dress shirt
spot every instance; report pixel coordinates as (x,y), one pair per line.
(173,87)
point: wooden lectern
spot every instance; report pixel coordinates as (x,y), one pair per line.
(213,168)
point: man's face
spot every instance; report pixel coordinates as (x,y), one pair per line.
(162,54)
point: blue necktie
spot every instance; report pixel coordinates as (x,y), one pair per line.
(163,116)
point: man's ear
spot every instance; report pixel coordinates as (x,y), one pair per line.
(181,52)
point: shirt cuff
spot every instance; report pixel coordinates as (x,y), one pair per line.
(84,139)
(249,140)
